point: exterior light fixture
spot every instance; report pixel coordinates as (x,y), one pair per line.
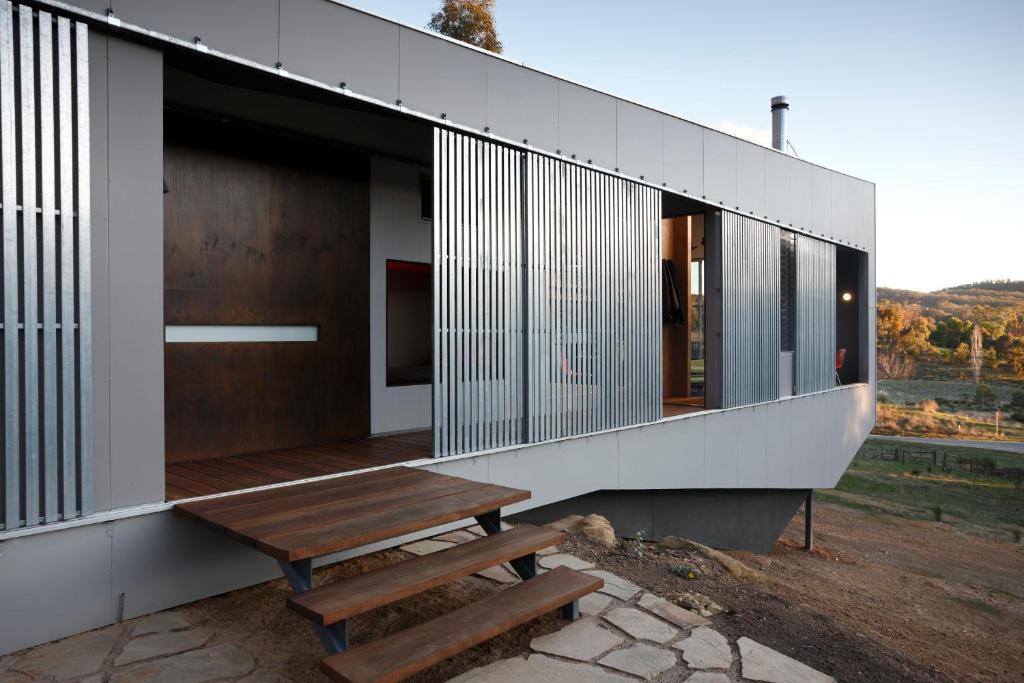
(847,297)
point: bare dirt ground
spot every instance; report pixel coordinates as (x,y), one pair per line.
(880,599)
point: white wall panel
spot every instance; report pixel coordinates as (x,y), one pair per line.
(244,28)
(721,449)
(801,193)
(752,450)
(586,125)
(750,178)
(720,168)
(821,201)
(641,149)
(839,208)
(684,156)
(335,44)
(779,440)
(522,104)
(440,78)
(778,187)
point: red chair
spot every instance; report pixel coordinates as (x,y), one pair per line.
(840,357)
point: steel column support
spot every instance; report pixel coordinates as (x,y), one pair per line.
(809,521)
(525,566)
(334,637)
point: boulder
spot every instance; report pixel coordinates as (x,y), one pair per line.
(599,529)
(568,523)
(729,563)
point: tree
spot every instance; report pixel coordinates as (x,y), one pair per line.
(976,352)
(471,21)
(902,329)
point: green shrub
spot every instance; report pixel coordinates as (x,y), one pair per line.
(883,397)
(937,513)
(1016,535)
(686,571)
(983,394)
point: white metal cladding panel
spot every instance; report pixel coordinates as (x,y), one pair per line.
(820,221)
(335,44)
(684,156)
(815,315)
(778,185)
(750,311)
(47,368)
(750,178)
(640,142)
(478,311)
(593,291)
(586,125)
(522,104)
(720,168)
(246,28)
(438,78)
(801,195)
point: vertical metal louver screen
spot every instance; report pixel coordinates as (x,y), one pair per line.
(546,295)
(594,297)
(750,311)
(44,179)
(478,305)
(815,315)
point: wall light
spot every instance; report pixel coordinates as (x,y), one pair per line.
(847,297)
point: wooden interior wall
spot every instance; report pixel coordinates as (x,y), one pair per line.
(675,245)
(264,230)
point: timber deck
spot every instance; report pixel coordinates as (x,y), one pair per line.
(234,472)
(298,523)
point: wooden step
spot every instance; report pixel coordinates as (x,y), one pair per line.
(402,654)
(332,603)
(307,520)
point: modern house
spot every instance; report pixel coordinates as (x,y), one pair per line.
(254,244)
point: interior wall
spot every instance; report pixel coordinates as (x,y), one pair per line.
(396,232)
(851,315)
(264,230)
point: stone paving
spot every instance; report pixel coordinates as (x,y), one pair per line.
(625,634)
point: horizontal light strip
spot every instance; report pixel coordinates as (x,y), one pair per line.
(195,334)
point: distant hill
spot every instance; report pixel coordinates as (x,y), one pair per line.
(960,299)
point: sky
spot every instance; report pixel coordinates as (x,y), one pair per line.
(925,99)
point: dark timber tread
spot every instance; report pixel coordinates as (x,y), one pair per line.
(318,518)
(401,654)
(361,593)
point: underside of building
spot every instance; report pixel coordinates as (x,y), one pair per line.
(257,244)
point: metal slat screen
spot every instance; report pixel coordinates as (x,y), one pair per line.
(751,338)
(546,294)
(815,315)
(44,190)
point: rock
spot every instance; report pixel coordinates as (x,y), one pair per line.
(550,550)
(226,660)
(479,530)
(593,604)
(264,676)
(540,669)
(582,640)
(459,536)
(640,660)
(159,622)
(425,547)
(565,560)
(708,677)
(614,585)
(599,529)
(698,602)
(760,663)
(641,625)
(499,574)
(706,648)
(673,613)
(160,644)
(729,563)
(569,523)
(72,657)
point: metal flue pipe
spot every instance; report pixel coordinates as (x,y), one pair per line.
(780,105)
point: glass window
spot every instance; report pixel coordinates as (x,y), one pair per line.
(426,197)
(787,290)
(408,323)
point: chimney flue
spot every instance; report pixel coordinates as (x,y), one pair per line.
(780,105)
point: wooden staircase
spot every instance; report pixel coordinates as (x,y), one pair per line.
(295,524)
